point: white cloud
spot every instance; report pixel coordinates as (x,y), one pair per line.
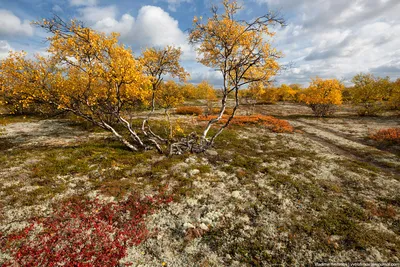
(105,19)
(5,48)
(95,14)
(337,39)
(155,27)
(11,25)
(83,2)
(110,24)
(152,27)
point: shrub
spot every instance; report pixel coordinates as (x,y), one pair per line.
(274,124)
(82,233)
(169,95)
(322,96)
(391,135)
(368,92)
(189,110)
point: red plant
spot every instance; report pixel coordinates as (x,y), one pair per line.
(82,233)
(389,135)
(276,125)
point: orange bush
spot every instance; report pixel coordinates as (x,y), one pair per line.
(390,135)
(189,110)
(274,124)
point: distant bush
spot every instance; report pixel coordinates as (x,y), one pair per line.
(368,93)
(322,96)
(274,124)
(189,110)
(391,135)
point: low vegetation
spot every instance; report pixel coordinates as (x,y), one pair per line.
(391,135)
(97,169)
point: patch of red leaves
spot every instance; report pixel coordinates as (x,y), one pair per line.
(388,135)
(82,233)
(274,124)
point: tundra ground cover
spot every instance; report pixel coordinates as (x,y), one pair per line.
(323,193)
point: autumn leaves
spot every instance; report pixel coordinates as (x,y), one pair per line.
(94,76)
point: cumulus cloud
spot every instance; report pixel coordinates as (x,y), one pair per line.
(337,39)
(5,48)
(11,25)
(94,14)
(156,27)
(201,73)
(152,27)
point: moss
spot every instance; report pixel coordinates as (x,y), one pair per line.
(247,163)
(299,189)
(11,118)
(345,222)
(253,250)
(203,168)
(395,200)
(330,186)
(5,144)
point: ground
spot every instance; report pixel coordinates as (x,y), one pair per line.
(323,193)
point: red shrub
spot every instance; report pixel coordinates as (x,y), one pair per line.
(82,233)
(189,110)
(276,125)
(389,135)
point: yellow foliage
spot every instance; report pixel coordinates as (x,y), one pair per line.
(323,92)
(206,91)
(238,49)
(323,95)
(169,95)
(286,93)
(159,62)
(368,91)
(203,90)
(87,72)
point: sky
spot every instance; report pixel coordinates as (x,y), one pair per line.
(324,38)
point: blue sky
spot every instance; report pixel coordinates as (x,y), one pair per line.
(326,38)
